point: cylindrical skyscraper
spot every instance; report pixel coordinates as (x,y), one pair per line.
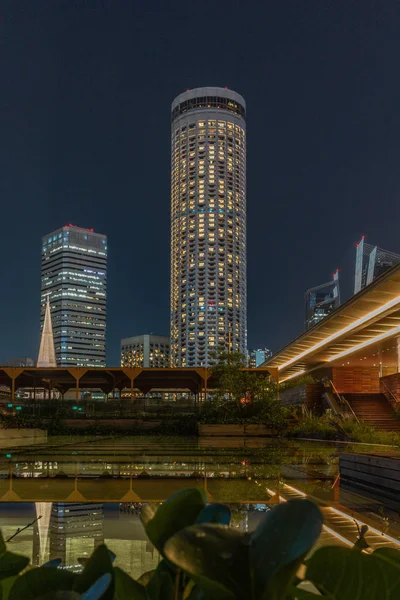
(208,225)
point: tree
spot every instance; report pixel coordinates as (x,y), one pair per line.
(248,395)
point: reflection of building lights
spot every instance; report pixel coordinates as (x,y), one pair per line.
(346,329)
(375,531)
(327,529)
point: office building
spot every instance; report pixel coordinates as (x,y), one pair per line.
(321,300)
(74,278)
(24,361)
(258,356)
(208,225)
(147,350)
(371,262)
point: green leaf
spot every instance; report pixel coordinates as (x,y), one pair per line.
(12,564)
(145,578)
(127,588)
(299,594)
(344,574)
(40,582)
(215,556)
(2,545)
(63,595)
(98,564)
(56,562)
(390,555)
(98,589)
(6,585)
(162,584)
(179,511)
(215,513)
(148,513)
(279,545)
(194,592)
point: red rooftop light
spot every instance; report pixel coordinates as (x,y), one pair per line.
(78,227)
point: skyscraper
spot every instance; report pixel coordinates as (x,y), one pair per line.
(208,225)
(321,300)
(371,262)
(74,277)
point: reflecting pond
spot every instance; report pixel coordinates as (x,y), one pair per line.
(89,490)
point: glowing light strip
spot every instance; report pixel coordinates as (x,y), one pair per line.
(377,338)
(337,535)
(291,376)
(295,490)
(353,325)
(272,493)
(376,531)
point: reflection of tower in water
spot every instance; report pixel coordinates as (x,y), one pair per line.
(41,533)
(76,529)
(66,530)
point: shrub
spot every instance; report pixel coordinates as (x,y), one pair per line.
(362,432)
(315,427)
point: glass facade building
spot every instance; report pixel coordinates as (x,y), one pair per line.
(208,225)
(371,262)
(74,276)
(147,350)
(258,356)
(321,300)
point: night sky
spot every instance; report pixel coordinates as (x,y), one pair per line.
(86,88)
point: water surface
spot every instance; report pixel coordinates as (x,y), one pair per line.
(89,490)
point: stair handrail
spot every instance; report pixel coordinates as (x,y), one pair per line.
(344,400)
(396,400)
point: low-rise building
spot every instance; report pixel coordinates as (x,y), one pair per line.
(147,350)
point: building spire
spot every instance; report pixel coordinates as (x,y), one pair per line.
(47,354)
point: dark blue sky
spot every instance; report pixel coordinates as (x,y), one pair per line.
(85,139)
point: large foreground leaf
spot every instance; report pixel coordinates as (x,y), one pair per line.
(162,584)
(344,574)
(389,555)
(215,513)
(215,556)
(2,545)
(98,564)
(38,583)
(279,545)
(12,564)
(5,586)
(127,588)
(179,511)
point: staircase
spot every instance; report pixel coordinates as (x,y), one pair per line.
(375,410)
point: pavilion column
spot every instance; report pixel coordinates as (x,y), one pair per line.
(12,389)
(131,373)
(13,373)
(132,389)
(77,373)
